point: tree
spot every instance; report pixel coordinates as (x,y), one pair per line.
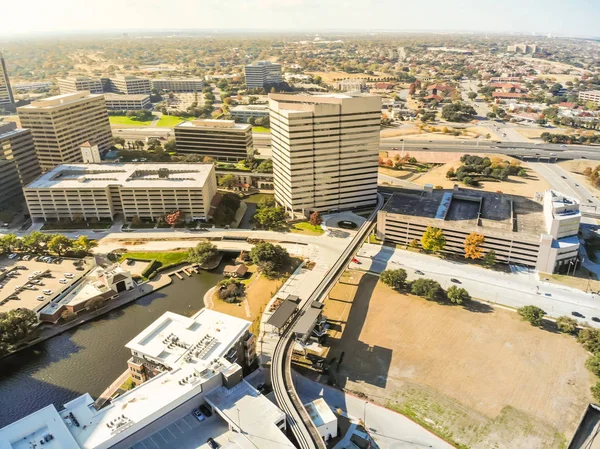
(427,288)
(271,217)
(119,141)
(394,278)
(15,325)
(458,295)
(269,258)
(596,391)
(265,166)
(202,253)
(85,244)
(35,241)
(589,339)
(231,289)
(315,219)
(532,314)
(593,364)
(489,259)
(225,212)
(472,95)
(60,244)
(228,181)
(67,315)
(473,244)
(458,112)
(10,242)
(433,239)
(450,173)
(173,217)
(171,145)
(566,324)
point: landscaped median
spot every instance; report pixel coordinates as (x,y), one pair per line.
(157,261)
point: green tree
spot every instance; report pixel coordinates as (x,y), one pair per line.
(35,242)
(590,339)
(202,253)
(458,295)
(10,242)
(228,181)
(593,364)
(433,239)
(265,166)
(596,391)
(489,259)
(394,278)
(231,289)
(171,145)
(15,325)
(270,217)
(472,95)
(60,244)
(566,324)
(532,314)
(315,219)
(427,288)
(85,244)
(270,258)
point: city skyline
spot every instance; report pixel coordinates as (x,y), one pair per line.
(536,16)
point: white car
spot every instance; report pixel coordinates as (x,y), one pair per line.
(27,257)
(62,281)
(17,287)
(40,298)
(31,276)
(47,292)
(12,256)
(68,275)
(199,416)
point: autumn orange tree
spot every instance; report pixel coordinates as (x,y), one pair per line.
(473,244)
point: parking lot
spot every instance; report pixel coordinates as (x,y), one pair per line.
(31,284)
(188,433)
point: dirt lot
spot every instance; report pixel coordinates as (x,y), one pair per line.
(515,185)
(28,297)
(481,377)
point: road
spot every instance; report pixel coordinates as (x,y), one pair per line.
(508,289)
(562,181)
(389,429)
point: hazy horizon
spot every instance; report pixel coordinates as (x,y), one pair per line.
(540,17)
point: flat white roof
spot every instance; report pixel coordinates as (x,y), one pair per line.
(172,339)
(319,412)
(124,97)
(59,100)
(82,176)
(214,124)
(27,432)
(245,408)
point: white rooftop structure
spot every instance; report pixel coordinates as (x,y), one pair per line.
(324,419)
(77,176)
(174,339)
(214,124)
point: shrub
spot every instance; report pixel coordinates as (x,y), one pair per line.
(458,295)
(532,314)
(567,324)
(231,289)
(427,288)
(394,278)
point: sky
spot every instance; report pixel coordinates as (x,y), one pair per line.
(556,17)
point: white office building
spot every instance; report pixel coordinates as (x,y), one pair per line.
(117,102)
(178,85)
(78,84)
(262,73)
(130,85)
(325,150)
(242,113)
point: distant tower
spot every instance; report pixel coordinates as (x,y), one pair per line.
(6,96)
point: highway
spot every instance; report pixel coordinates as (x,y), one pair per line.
(281,372)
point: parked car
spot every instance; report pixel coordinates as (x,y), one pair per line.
(68,275)
(198,414)
(47,292)
(62,281)
(596,319)
(40,298)
(26,257)
(419,272)
(12,256)
(213,444)
(205,410)
(456,281)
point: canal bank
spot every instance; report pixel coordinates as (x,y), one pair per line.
(90,357)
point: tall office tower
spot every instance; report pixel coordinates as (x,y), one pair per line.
(18,163)
(325,150)
(219,139)
(6,96)
(61,124)
(130,85)
(262,73)
(79,84)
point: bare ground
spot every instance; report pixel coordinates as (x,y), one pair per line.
(477,376)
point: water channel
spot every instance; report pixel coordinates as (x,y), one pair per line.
(90,357)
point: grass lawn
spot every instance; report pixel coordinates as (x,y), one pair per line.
(168,121)
(164,257)
(260,129)
(258,197)
(127,385)
(305,227)
(123,120)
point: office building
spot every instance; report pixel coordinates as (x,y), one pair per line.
(116,102)
(146,191)
(262,74)
(178,85)
(195,353)
(28,87)
(74,84)
(130,85)
(219,139)
(590,95)
(540,234)
(525,49)
(16,145)
(325,150)
(61,124)
(242,113)
(6,95)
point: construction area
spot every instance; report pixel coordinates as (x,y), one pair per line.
(432,363)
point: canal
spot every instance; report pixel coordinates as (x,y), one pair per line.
(90,357)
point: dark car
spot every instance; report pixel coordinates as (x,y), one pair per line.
(419,272)
(577,314)
(425,148)
(456,281)
(213,444)
(206,410)
(596,319)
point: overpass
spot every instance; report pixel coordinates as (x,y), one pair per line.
(287,399)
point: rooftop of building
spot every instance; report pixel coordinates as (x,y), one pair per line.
(58,100)
(167,175)
(126,97)
(250,107)
(175,339)
(128,77)
(192,80)
(9,129)
(460,208)
(78,78)
(351,102)
(262,63)
(215,124)
(591,92)
(319,412)
(245,408)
